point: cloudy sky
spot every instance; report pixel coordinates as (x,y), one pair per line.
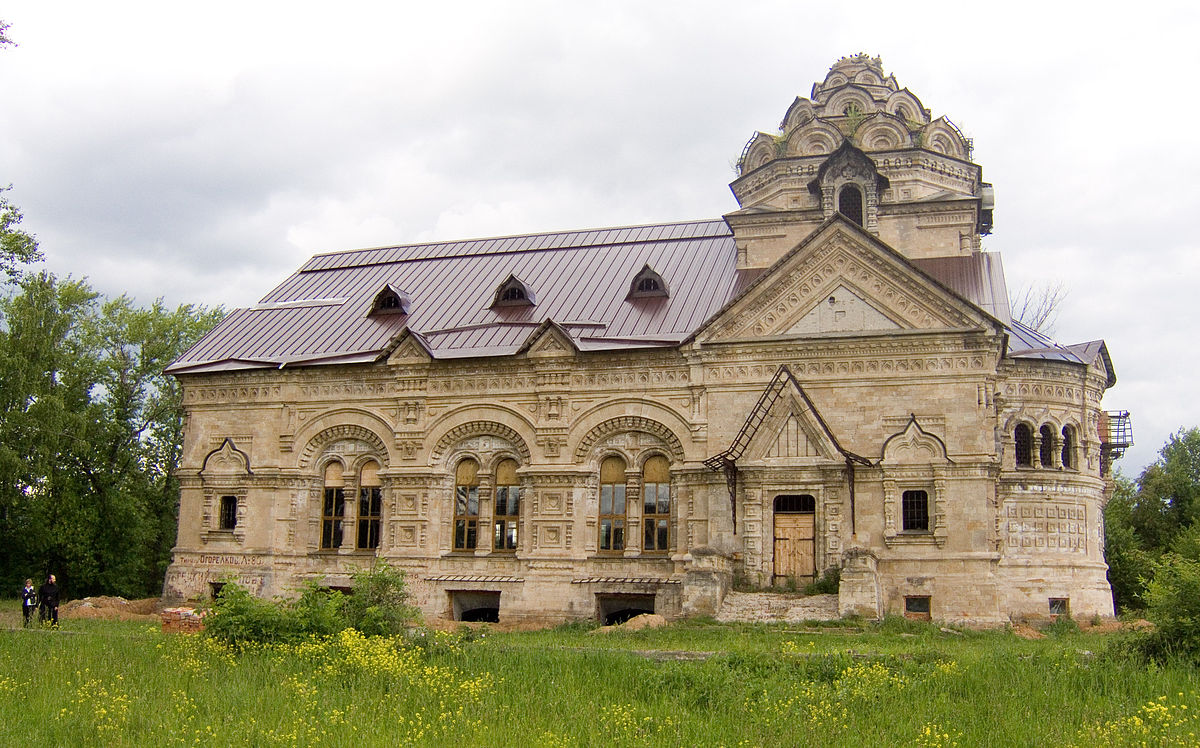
(201,151)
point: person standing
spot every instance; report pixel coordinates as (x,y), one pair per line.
(48,595)
(29,601)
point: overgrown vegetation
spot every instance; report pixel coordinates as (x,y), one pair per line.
(1152,545)
(377,606)
(761,685)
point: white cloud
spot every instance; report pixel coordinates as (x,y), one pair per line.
(202,152)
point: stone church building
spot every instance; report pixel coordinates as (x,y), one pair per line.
(587,423)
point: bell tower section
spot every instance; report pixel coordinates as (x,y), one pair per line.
(863,147)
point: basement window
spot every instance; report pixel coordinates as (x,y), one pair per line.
(481,606)
(1060,606)
(917,607)
(614,609)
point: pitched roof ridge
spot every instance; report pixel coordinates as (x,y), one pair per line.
(533,235)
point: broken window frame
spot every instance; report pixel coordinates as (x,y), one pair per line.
(656,505)
(610,520)
(370,507)
(466,506)
(333,507)
(506,514)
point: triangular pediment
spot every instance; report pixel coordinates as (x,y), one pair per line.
(410,349)
(791,430)
(842,280)
(549,341)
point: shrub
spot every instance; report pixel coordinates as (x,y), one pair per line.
(238,618)
(827,584)
(379,605)
(1173,605)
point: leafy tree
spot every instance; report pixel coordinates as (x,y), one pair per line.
(1130,565)
(1168,499)
(90,432)
(16,246)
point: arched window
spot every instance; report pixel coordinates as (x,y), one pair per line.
(1023,441)
(228,518)
(612,504)
(333,508)
(508,506)
(914,511)
(1046,446)
(656,504)
(850,203)
(647,284)
(370,505)
(466,505)
(1068,448)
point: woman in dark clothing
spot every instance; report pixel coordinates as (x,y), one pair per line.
(48,594)
(29,601)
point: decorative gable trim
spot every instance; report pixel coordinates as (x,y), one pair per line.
(409,348)
(226,460)
(548,340)
(913,446)
(841,253)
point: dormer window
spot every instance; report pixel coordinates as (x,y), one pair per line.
(647,284)
(512,292)
(390,300)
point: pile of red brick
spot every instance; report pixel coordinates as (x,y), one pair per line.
(182,621)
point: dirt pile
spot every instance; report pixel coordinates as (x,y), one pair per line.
(112,609)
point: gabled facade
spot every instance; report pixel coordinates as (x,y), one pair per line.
(582,424)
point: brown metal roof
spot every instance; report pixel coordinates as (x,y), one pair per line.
(977,277)
(580,279)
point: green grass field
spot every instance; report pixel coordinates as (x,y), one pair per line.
(691,684)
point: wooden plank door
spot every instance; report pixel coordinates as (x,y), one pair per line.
(795,546)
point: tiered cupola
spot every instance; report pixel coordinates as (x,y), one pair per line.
(868,149)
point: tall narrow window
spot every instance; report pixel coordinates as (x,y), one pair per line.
(1068,448)
(333,508)
(508,506)
(612,504)
(850,203)
(466,505)
(1023,443)
(370,506)
(656,504)
(228,512)
(1046,446)
(914,510)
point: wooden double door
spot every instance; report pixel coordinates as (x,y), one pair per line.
(795,538)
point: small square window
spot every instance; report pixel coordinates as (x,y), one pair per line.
(917,607)
(1060,606)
